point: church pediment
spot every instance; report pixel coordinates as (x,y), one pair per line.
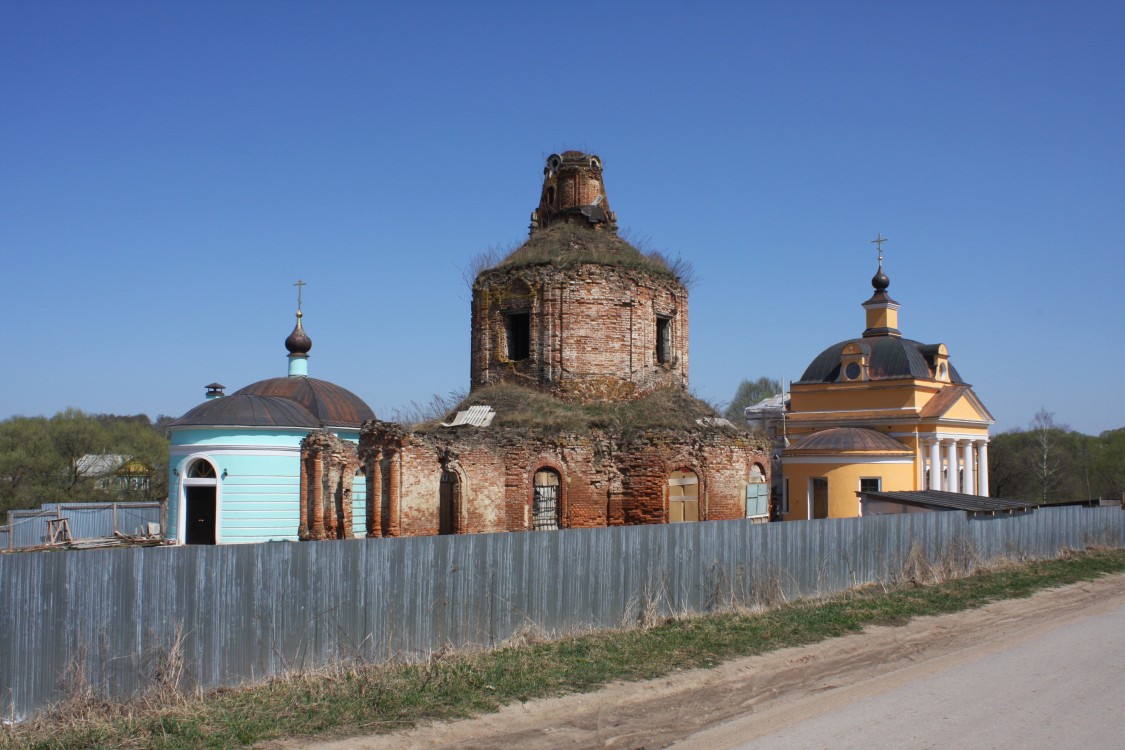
(958,403)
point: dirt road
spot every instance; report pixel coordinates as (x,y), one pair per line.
(813,696)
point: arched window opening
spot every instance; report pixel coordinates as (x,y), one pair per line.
(757,494)
(683,496)
(545,503)
(449,503)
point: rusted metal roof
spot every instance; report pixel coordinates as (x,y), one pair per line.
(847,439)
(939,500)
(248,410)
(331,405)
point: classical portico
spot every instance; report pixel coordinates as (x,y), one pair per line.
(963,468)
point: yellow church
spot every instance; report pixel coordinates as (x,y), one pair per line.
(882,414)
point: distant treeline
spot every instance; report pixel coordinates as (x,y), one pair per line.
(74,456)
(1049,463)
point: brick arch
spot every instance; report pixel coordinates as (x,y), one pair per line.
(460,489)
(563,510)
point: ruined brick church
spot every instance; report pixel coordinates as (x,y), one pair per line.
(578,413)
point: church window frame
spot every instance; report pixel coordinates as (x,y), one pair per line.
(547,491)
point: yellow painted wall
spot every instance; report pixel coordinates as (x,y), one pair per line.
(856,396)
(843,483)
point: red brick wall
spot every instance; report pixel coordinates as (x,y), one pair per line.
(593,330)
(605,481)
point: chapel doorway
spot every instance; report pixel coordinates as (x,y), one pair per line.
(200,526)
(201,494)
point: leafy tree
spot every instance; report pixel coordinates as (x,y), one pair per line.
(1048,463)
(748,393)
(41,459)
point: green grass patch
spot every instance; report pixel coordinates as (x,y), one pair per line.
(392,697)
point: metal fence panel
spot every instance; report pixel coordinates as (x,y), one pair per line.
(117,617)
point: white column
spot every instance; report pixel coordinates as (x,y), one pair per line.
(982,473)
(935,465)
(970,487)
(920,479)
(951,473)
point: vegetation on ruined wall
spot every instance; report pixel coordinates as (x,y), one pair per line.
(519,407)
(41,459)
(569,245)
(1050,463)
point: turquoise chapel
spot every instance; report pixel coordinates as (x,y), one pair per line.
(235,460)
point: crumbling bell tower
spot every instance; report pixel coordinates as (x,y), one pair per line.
(573,192)
(576,310)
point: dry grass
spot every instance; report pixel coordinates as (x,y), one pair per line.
(520,407)
(569,245)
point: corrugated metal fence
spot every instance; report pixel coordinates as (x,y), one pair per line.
(249,611)
(28,528)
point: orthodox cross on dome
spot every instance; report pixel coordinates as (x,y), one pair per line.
(878,242)
(300,284)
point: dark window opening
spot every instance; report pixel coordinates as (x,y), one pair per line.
(663,340)
(518,330)
(449,502)
(874,484)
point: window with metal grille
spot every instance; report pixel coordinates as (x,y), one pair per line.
(545,505)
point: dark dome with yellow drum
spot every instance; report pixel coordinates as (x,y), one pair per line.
(888,358)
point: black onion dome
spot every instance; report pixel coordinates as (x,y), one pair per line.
(246,410)
(888,358)
(298,342)
(880,280)
(332,405)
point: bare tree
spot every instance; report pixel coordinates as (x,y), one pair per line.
(1048,459)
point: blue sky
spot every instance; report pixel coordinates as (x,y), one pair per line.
(169,170)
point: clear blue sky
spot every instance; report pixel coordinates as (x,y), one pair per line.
(168,170)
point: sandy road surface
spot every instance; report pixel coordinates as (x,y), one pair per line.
(767,698)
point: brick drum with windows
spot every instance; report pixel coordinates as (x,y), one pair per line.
(579,413)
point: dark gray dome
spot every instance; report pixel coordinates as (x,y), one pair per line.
(246,410)
(888,357)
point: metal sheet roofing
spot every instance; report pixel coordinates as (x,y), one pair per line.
(847,439)
(888,357)
(952,501)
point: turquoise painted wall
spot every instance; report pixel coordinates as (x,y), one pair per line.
(259,496)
